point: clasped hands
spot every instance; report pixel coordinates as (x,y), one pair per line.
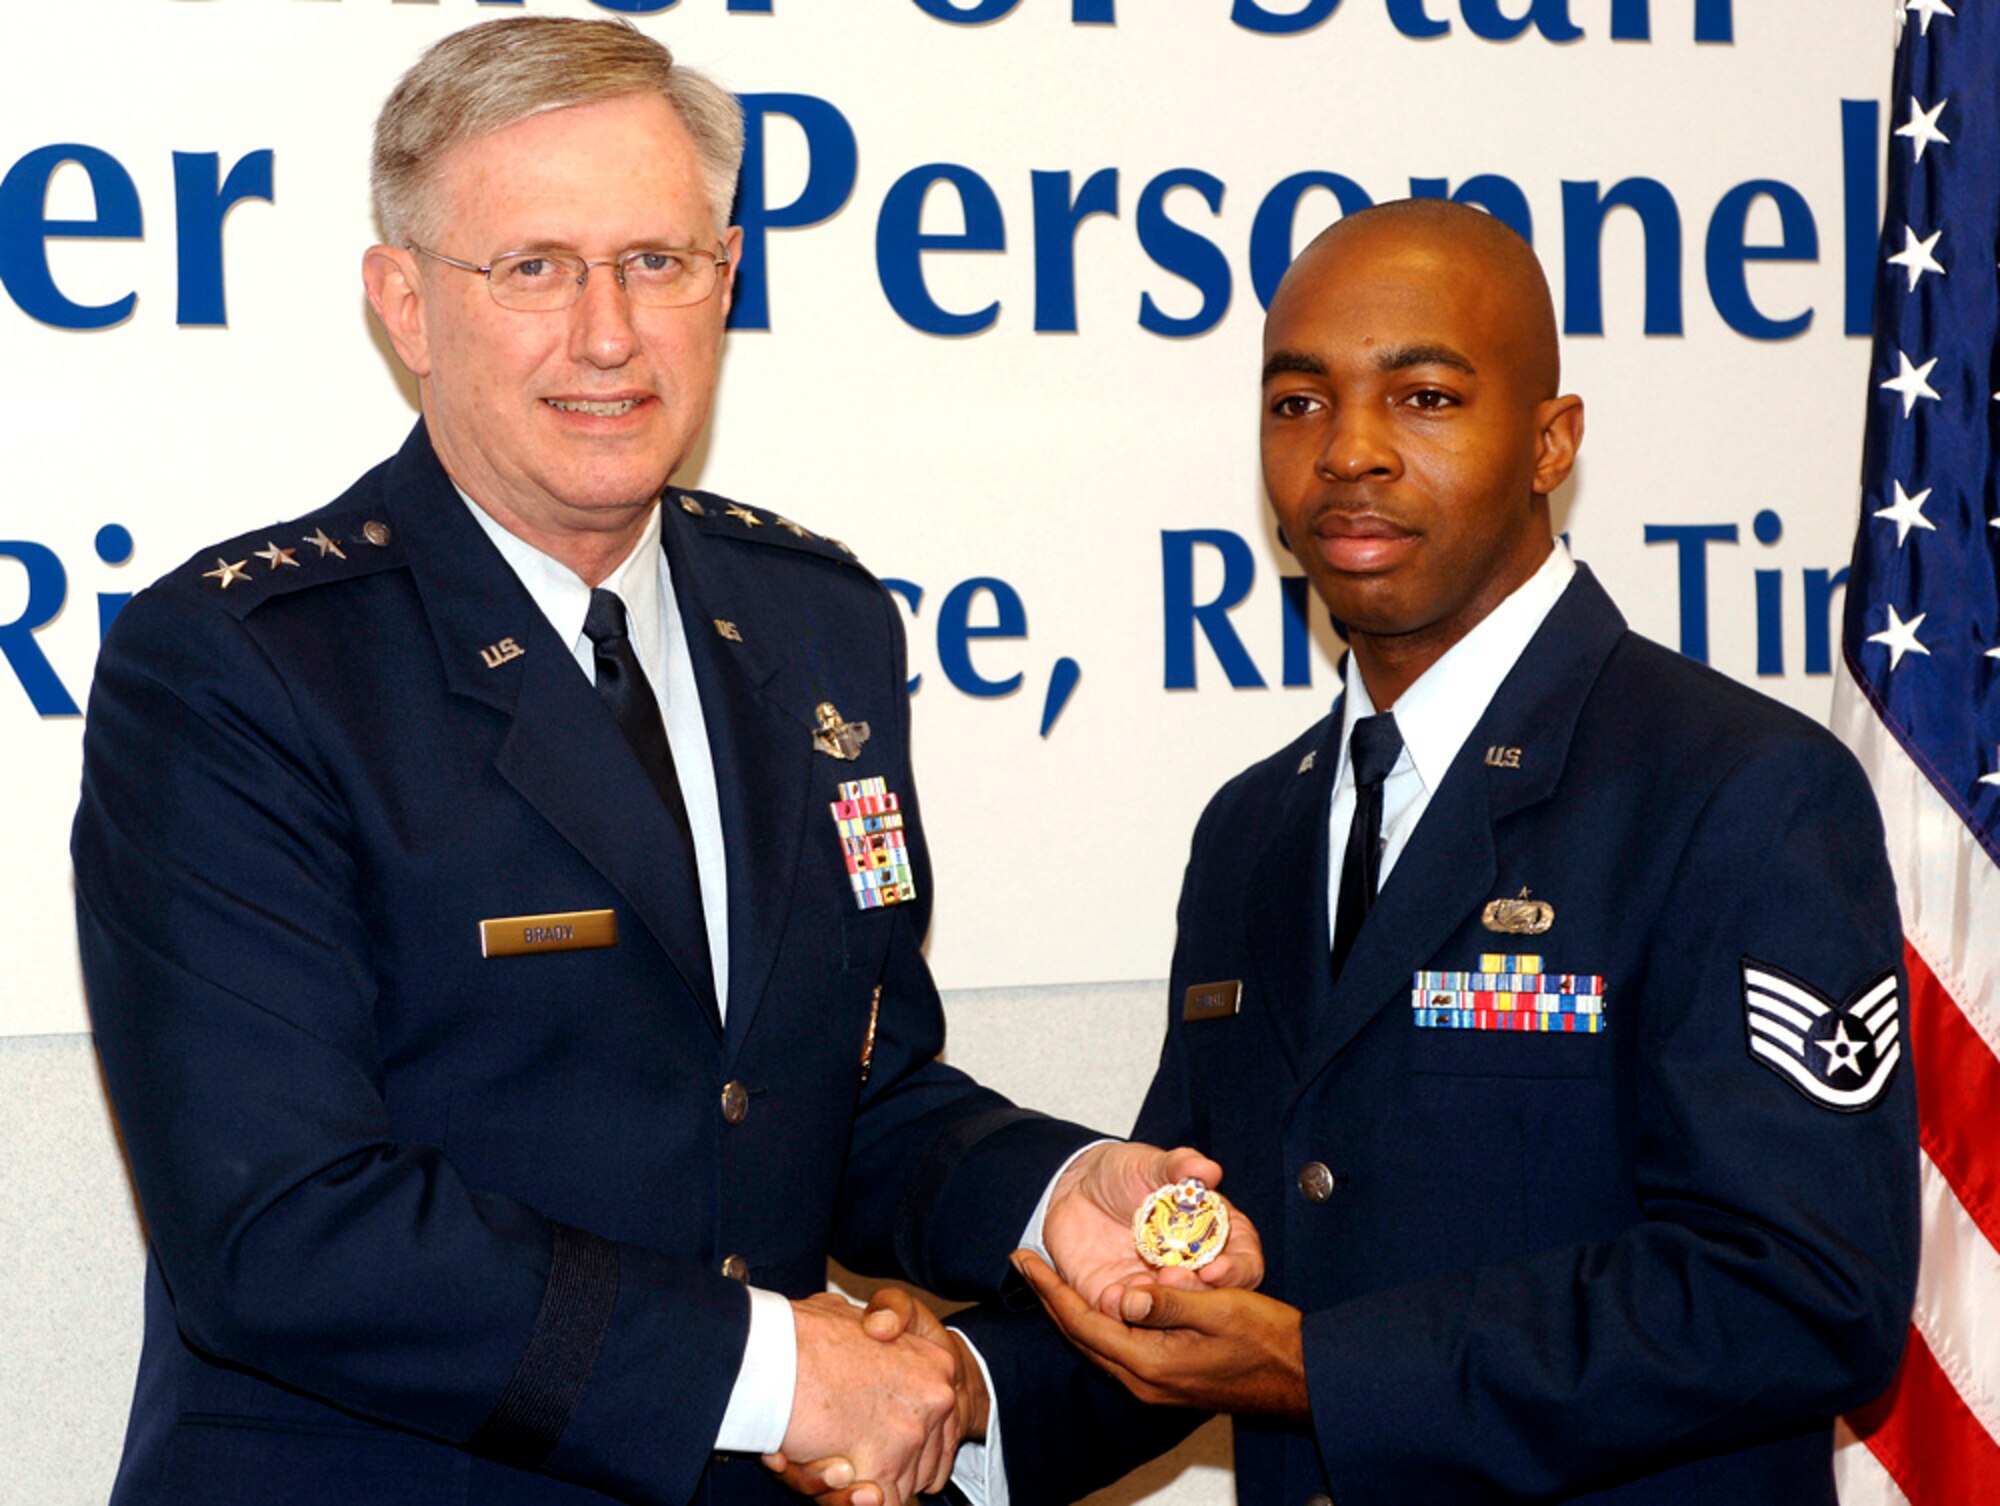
(886,1395)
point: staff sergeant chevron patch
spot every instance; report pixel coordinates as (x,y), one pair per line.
(1841,1056)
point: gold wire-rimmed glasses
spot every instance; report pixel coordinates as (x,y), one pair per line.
(661,277)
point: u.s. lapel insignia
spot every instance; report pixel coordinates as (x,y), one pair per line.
(1840,1055)
(1510,992)
(1306,763)
(497,654)
(1520,916)
(727,630)
(837,737)
(1503,758)
(870,821)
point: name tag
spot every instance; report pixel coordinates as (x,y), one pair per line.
(565,931)
(1213,1001)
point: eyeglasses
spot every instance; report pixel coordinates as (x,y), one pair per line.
(542,281)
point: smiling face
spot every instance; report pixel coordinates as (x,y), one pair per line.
(1411,434)
(563,424)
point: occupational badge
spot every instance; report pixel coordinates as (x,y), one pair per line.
(1841,1055)
(870,820)
(836,736)
(1520,916)
(1181,1224)
(1509,991)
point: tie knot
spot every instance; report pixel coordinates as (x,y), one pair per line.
(1374,748)
(604,622)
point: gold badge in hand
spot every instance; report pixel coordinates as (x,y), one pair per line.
(1182,1224)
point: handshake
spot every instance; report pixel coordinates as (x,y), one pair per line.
(886,1394)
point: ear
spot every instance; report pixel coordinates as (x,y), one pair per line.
(732,247)
(1558,436)
(395,292)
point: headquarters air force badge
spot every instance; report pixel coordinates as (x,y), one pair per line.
(1840,1055)
(1181,1224)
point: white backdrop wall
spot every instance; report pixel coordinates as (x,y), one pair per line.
(999,332)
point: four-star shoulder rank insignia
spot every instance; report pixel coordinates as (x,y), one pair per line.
(1841,1055)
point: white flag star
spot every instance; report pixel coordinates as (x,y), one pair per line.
(1916,258)
(1910,381)
(1925,9)
(1900,637)
(1922,126)
(1907,512)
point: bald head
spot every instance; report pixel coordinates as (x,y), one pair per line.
(1462,244)
(1412,429)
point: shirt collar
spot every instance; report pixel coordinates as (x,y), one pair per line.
(1438,712)
(563,597)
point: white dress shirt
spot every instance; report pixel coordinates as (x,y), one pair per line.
(1436,715)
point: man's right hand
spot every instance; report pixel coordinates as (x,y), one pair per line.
(889,1408)
(893,1316)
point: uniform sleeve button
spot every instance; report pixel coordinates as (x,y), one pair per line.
(1316,1182)
(736,1268)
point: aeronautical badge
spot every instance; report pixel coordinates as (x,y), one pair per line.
(1840,1055)
(870,820)
(1181,1224)
(835,735)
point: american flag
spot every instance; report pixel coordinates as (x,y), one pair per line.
(1918,699)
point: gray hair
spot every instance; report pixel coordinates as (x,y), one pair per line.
(496,74)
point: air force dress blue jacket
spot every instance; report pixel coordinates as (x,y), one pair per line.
(1642,1251)
(443,1203)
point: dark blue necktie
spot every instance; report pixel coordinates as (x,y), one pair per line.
(622,685)
(1372,751)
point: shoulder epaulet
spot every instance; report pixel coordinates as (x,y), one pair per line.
(719,516)
(316,550)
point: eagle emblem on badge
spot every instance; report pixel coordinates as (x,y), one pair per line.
(1840,1054)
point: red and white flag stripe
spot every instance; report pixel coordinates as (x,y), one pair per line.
(1934,1439)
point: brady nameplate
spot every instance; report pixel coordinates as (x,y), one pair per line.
(564,931)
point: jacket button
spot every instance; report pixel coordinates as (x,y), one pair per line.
(1316,1182)
(735,1103)
(736,1268)
(1319,1501)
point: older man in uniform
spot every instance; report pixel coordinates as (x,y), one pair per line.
(1543,1000)
(501,892)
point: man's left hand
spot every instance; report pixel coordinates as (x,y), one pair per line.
(1224,1350)
(1088,1231)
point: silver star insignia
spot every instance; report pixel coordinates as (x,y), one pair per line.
(272,554)
(226,572)
(744,516)
(804,533)
(318,539)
